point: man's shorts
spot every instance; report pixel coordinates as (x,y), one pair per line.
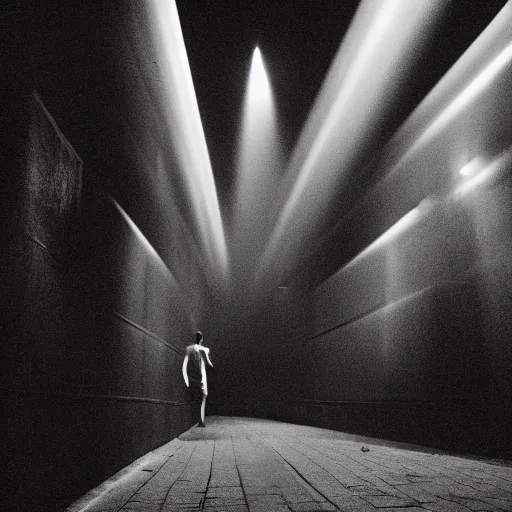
(198,389)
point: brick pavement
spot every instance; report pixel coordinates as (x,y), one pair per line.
(243,464)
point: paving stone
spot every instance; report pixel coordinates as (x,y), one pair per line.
(265,500)
(264,507)
(353,504)
(391,478)
(232,492)
(171,507)
(169,449)
(366,490)
(300,495)
(448,489)
(281,467)
(473,504)
(152,493)
(388,501)
(224,501)
(185,498)
(311,506)
(391,490)
(418,478)
(492,491)
(418,492)
(401,509)
(259,490)
(441,505)
(234,508)
(142,506)
(346,478)
(224,482)
(499,503)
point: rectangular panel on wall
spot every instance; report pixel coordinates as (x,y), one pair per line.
(53,181)
(394,267)
(426,347)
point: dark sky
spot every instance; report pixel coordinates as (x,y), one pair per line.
(298,40)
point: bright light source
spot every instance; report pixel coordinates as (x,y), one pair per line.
(485,174)
(473,167)
(258,82)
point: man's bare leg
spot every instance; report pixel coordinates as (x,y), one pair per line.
(203,408)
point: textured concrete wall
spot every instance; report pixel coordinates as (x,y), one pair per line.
(406,332)
(93,323)
(410,341)
(410,335)
(94,326)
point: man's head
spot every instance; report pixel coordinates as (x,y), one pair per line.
(199,337)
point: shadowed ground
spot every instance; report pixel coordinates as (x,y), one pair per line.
(241,464)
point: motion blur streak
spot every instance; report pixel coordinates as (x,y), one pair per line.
(258,170)
(362,85)
(140,236)
(184,126)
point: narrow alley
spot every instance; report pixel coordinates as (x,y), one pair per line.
(240,464)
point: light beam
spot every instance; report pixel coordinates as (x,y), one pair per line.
(144,242)
(177,100)
(363,83)
(258,170)
(258,81)
(401,226)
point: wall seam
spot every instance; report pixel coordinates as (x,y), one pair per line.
(146,331)
(383,305)
(117,398)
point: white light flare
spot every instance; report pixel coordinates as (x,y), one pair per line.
(364,80)
(258,81)
(396,230)
(177,98)
(472,168)
(483,174)
(144,241)
(259,166)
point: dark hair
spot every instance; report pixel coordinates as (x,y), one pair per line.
(199,336)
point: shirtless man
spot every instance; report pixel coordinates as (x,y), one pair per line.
(194,370)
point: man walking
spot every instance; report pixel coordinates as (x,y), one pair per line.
(194,370)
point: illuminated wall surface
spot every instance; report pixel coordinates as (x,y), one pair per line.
(379,306)
(105,269)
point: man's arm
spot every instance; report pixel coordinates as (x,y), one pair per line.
(184,370)
(207,353)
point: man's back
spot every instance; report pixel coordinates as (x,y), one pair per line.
(195,366)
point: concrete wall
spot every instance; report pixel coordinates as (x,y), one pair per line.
(94,330)
(400,346)
(94,315)
(399,325)
(410,336)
